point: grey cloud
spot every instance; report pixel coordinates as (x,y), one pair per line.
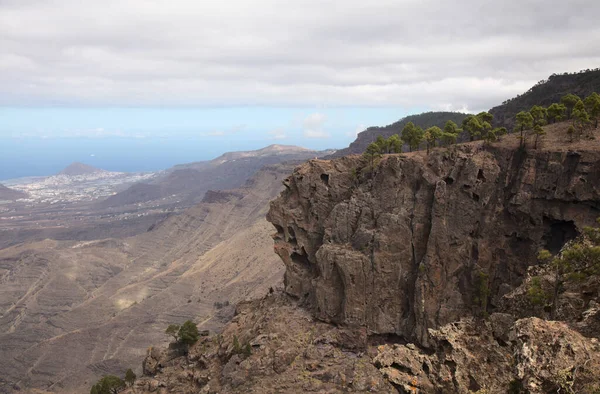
(471,54)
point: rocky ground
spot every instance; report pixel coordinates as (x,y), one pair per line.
(414,277)
(290,352)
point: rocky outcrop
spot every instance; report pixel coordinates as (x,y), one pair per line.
(539,357)
(280,349)
(421,241)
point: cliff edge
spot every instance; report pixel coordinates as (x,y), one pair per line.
(406,246)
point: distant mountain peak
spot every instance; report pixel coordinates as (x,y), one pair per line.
(77,168)
(282,148)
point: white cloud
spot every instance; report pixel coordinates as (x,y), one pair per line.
(469,54)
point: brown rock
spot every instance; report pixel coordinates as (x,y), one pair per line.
(402,251)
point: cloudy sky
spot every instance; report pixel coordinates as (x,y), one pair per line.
(308,72)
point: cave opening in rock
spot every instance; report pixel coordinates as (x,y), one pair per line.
(279,235)
(480,175)
(558,232)
(292,236)
(301,261)
(325,179)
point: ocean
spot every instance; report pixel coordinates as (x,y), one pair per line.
(41,157)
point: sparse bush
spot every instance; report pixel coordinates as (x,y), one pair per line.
(482,292)
(577,261)
(245,349)
(188,333)
(173,330)
(130,377)
(108,384)
(220,305)
(237,349)
(535,293)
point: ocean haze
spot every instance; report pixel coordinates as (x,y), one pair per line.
(41,157)
(42,141)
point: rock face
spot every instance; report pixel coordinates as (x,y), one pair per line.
(421,241)
(539,357)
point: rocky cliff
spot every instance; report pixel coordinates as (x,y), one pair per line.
(413,277)
(421,241)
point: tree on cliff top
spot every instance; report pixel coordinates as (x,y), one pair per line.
(592,106)
(394,144)
(431,135)
(569,102)
(524,123)
(556,112)
(372,153)
(539,115)
(580,117)
(412,135)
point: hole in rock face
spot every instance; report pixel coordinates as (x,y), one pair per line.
(301,260)
(325,179)
(279,231)
(476,197)
(449,180)
(480,175)
(425,368)
(473,385)
(292,236)
(558,232)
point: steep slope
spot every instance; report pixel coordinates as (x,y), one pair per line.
(189,182)
(72,311)
(424,120)
(403,251)
(8,194)
(75,169)
(545,93)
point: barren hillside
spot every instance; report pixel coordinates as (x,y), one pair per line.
(72,311)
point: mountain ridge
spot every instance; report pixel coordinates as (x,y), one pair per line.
(188,182)
(546,92)
(424,120)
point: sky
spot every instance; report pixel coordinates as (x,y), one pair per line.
(170,81)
